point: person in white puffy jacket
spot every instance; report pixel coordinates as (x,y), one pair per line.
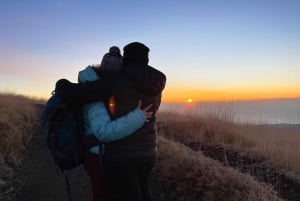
(97,122)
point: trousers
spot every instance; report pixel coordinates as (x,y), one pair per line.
(100,184)
(130,183)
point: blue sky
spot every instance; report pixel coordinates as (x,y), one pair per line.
(218,49)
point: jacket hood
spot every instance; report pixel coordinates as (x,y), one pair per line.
(87,75)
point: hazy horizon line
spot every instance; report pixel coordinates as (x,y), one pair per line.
(233,100)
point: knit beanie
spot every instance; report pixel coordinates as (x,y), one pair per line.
(114,50)
(135,53)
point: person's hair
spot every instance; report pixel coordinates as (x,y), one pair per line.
(135,53)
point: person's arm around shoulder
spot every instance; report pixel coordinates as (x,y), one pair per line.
(106,130)
(83,92)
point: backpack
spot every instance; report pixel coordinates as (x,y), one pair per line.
(64,133)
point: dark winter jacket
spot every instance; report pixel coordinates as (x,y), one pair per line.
(121,93)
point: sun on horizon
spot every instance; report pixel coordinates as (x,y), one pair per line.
(189,100)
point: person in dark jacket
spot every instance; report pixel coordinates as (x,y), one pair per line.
(129,161)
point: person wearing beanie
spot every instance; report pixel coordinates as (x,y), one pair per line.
(127,162)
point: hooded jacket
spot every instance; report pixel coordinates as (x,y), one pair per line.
(97,120)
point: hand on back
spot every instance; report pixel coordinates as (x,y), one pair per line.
(146,111)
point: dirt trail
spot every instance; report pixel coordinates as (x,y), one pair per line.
(38,180)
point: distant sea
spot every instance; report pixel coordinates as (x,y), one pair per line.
(273,111)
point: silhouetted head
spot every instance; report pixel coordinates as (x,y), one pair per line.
(135,53)
(112,61)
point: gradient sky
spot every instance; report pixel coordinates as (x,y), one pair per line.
(209,50)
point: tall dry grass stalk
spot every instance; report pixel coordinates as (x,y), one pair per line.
(189,176)
(17,118)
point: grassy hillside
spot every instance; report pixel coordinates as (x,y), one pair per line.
(276,146)
(189,176)
(203,158)
(267,154)
(17,117)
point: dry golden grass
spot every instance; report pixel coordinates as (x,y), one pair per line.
(187,175)
(277,146)
(17,117)
(189,129)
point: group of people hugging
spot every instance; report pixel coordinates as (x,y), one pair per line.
(121,97)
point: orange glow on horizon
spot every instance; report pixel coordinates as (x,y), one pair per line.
(183,95)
